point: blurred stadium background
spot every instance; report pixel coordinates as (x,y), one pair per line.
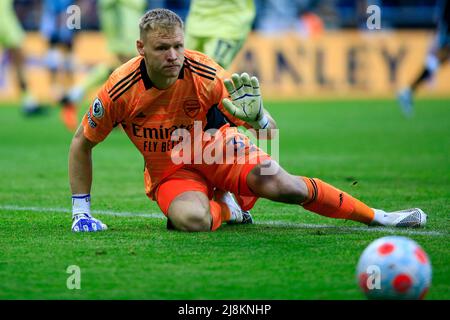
(298,48)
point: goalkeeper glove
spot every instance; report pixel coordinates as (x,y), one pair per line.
(246,102)
(82,221)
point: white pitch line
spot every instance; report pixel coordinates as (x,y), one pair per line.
(263,223)
(66,210)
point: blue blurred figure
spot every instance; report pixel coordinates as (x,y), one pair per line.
(60,39)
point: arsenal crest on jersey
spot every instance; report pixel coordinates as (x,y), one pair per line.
(191,108)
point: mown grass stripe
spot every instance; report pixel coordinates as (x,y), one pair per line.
(262,223)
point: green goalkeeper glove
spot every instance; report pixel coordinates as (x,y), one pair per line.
(246,102)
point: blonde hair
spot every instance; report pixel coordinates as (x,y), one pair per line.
(159,19)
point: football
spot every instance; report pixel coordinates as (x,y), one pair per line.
(394,268)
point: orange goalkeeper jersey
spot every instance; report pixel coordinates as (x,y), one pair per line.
(149,115)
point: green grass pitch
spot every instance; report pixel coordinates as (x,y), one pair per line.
(363,147)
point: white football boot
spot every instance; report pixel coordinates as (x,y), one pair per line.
(409,218)
(238,216)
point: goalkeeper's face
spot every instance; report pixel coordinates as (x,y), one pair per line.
(163,50)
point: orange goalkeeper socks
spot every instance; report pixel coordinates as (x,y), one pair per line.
(329,201)
(225,211)
(216,214)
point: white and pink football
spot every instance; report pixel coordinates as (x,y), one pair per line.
(394,267)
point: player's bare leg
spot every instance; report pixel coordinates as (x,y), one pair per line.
(190,211)
(29,104)
(324,199)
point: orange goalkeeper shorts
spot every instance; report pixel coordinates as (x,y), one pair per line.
(205,177)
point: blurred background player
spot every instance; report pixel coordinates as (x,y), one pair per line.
(11,39)
(118,24)
(59,59)
(439,54)
(219,28)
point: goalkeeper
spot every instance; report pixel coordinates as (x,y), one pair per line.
(167,87)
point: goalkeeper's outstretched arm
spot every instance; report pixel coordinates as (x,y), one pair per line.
(80,163)
(80,176)
(246,102)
